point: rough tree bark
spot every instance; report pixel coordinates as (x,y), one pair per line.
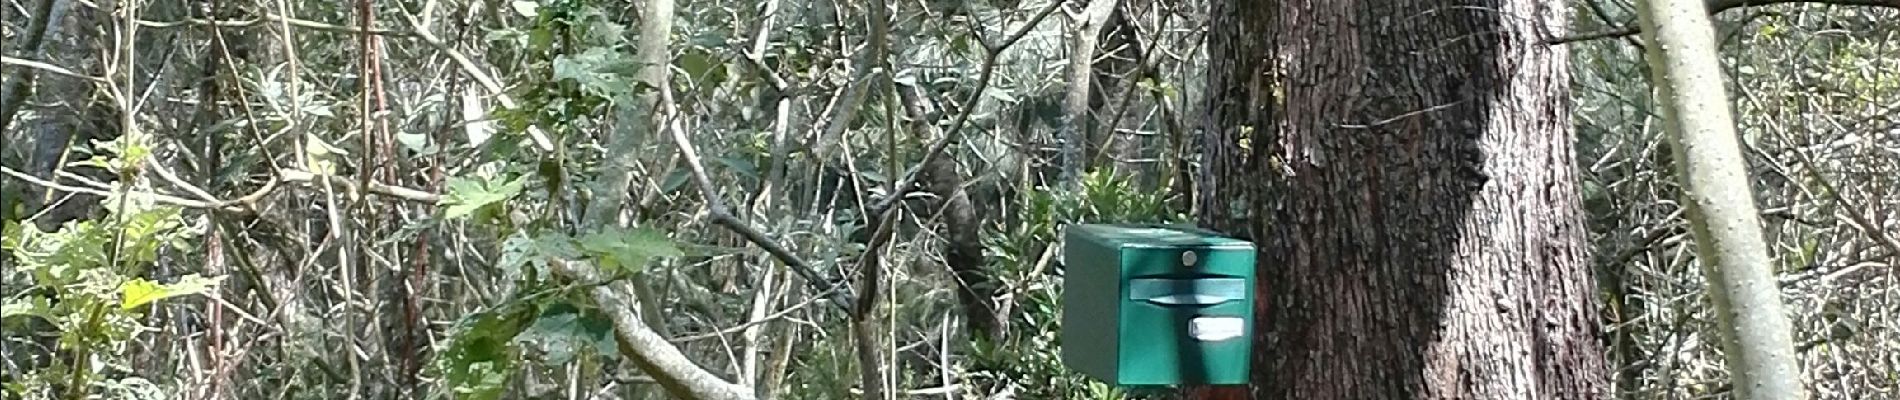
(1413,197)
(1235,104)
(1757,338)
(1077,131)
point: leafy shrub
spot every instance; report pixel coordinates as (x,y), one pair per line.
(83,284)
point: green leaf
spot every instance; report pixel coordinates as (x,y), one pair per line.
(479,357)
(961,45)
(37,306)
(138,291)
(626,250)
(697,64)
(599,71)
(516,251)
(564,331)
(468,195)
(416,142)
(740,165)
(521,249)
(526,8)
(604,30)
(674,181)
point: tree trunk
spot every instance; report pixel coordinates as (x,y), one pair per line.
(1414,198)
(1236,103)
(1119,108)
(1756,335)
(1077,133)
(69,113)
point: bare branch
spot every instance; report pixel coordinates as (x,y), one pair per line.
(991,52)
(481,77)
(55,69)
(20,86)
(300,23)
(720,214)
(239,205)
(646,348)
(404,193)
(1717,7)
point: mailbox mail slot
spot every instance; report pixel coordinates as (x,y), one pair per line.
(1191,292)
(1156,305)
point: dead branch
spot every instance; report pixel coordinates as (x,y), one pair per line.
(19,87)
(239,205)
(1717,7)
(721,215)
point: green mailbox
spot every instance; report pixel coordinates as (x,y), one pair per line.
(1156,305)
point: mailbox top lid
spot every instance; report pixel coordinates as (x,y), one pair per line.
(1157,236)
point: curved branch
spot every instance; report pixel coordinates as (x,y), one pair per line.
(1717,7)
(646,348)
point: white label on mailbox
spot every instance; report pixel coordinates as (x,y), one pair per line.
(1213,329)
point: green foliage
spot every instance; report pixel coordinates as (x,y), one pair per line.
(581,58)
(599,71)
(480,355)
(138,291)
(522,249)
(563,332)
(466,195)
(614,250)
(828,368)
(83,284)
(488,347)
(580,66)
(617,250)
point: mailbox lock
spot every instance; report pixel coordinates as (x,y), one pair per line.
(1188,258)
(1214,329)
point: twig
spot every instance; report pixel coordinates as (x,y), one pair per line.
(168,176)
(1849,211)
(719,214)
(1405,115)
(870,267)
(1716,7)
(749,324)
(300,23)
(1613,33)
(404,193)
(240,205)
(55,69)
(481,77)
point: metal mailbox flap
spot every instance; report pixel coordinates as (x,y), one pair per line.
(1187,292)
